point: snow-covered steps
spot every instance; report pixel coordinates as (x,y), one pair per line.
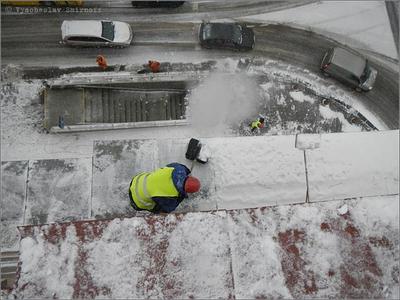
(315,250)
(115,100)
(105,107)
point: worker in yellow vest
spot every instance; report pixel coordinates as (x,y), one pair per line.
(162,190)
(257,125)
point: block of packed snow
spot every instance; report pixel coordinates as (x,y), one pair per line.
(58,190)
(114,165)
(257,171)
(308,141)
(13,178)
(351,165)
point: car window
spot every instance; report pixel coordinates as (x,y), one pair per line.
(85,39)
(366,73)
(107,30)
(328,57)
(75,38)
(237,34)
(206,32)
(95,39)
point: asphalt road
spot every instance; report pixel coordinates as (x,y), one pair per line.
(190,11)
(31,39)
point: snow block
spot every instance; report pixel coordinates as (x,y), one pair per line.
(257,171)
(58,190)
(9,235)
(308,141)
(13,190)
(351,165)
(114,165)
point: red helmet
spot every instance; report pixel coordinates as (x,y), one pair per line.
(192,185)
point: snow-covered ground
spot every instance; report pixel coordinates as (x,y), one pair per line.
(359,24)
(340,249)
(22,111)
(337,249)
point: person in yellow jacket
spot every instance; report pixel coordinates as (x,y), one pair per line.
(163,189)
(257,125)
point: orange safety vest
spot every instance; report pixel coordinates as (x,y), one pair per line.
(101,61)
(154,66)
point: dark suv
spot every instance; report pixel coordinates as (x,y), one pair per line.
(226,35)
(349,68)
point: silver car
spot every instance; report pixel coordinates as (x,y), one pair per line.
(89,33)
(349,68)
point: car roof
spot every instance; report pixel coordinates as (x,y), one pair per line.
(82,28)
(349,61)
(221,30)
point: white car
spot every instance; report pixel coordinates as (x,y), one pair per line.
(96,33)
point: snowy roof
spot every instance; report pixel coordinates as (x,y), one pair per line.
(321,250)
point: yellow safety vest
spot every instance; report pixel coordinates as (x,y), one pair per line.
(155,184)
(255,124)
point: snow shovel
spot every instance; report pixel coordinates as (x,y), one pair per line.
(193,152)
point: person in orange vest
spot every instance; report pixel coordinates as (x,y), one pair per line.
(154,66)
(101,62)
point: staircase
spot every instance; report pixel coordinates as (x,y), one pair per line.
(103,105)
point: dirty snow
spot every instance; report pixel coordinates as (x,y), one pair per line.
(299,96)
(24,138)
(245,253)
(329,114)
(288,73)
(48,268)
